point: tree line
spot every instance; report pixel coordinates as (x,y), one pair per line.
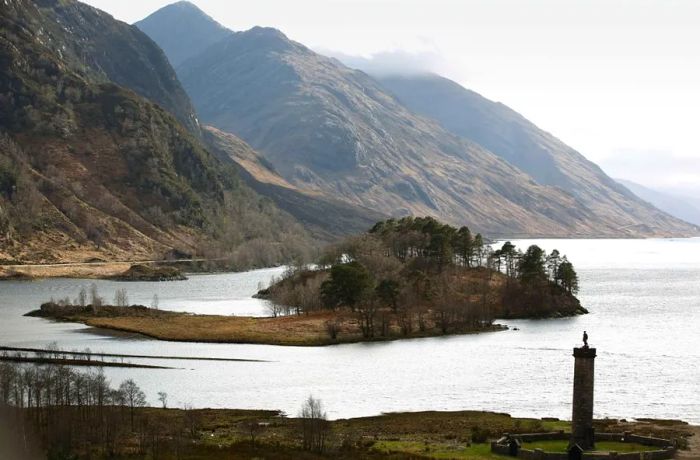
(79,414)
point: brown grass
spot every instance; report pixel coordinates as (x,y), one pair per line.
(303,330)
(71,270)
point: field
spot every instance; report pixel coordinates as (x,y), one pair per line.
(440,435)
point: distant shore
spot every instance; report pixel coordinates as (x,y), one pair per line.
(293,330)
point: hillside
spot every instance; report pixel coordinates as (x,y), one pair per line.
(515,139)
(89,169)
(324,217)
(679,206)
(335,131)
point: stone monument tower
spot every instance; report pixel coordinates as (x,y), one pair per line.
(582,433)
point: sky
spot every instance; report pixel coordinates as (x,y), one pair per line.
(619,80)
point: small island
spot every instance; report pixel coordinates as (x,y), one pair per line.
(406,278)
(142,272)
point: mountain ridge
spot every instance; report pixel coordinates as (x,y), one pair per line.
(346,136)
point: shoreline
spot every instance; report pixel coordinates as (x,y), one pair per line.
(293,330)
(107,269)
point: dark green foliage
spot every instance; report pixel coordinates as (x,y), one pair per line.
(388,292)
(567,277)
(531,267)
(436,243)
(348,285)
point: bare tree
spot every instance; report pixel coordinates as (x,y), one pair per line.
(120,298)
(163,398)
(133,397)
(314,425)
(82,297)
(95,300)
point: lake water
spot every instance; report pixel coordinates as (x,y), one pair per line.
(643,295)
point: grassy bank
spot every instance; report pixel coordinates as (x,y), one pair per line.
(296,330)
(242,434)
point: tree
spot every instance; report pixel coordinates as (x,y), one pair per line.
(163,398)
(82,297)
(314,425)
(531,267)
(567,276)
(464,246)
(478,250)
(95,300)
(120,298)
(132,396)
(348,285)
(388,293)
(509,253)
(553,262)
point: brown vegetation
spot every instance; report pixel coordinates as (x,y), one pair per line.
(302,330)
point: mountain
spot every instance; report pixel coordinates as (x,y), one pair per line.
(511,136)
(196,30)
(334,131)
(103,49)
(678,206)
(92,169)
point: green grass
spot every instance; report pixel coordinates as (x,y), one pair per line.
(438,450)
(556,425)
(604,446)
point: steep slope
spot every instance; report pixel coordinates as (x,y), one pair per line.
(336,131)
(325,217)
(678,206)
(90,169)
(104,49)
(515,139)
(201,30)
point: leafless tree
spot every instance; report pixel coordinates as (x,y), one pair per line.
(120,298)
(163,398)
(133,397)
(314,425)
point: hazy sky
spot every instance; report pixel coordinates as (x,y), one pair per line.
(619,80)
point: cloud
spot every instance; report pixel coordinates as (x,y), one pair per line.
(393,62)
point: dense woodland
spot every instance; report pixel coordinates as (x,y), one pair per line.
(415,274)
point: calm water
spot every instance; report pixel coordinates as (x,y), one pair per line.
(644,298)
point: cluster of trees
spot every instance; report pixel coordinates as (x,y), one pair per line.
(66,408)
(414,274)
(92,298)
(432,241)
(534,267)
(79,414)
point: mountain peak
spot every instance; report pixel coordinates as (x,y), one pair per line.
(202,30)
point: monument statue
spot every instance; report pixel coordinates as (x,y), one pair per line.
(582,433)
